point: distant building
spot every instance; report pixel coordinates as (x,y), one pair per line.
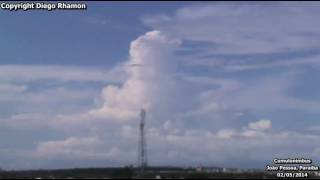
(218,169)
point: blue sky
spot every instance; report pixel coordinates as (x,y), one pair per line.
(70,32)
(239,80)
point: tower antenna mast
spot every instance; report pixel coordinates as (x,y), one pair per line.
(142,159)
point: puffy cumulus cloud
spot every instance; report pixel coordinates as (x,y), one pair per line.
(169,144)
(226,133)
(236,147)
(260,125)
(253,129)
(148,70)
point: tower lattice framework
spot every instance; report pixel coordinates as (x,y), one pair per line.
(142,158)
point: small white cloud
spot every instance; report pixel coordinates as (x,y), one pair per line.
(226,133)
(260,125)
(250,133)
(72,146)
(26,121)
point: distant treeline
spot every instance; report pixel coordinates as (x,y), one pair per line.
(130,173)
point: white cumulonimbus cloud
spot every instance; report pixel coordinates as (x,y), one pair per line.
(186,111)
(148,78)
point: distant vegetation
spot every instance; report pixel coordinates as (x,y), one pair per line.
(130,173)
